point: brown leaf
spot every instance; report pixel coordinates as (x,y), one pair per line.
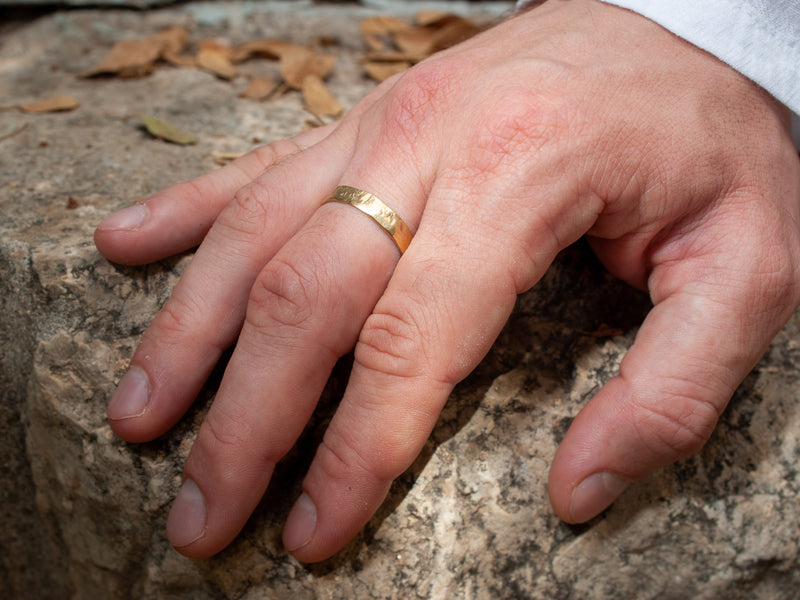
(216,61)
(606,330)
(179,60)
(416,41)
(273,49)
(380,71)
(54,104)
(164,130)
(173,39)
(215,46)
(453,32)
(259,88)
(129,58)
(392,56)
(381,26)
(376,43)
(319,99)
(435,18)
(223,158)
(299,63)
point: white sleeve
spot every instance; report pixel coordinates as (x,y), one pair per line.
(758,38)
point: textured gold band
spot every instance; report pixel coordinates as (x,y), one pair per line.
(384,216)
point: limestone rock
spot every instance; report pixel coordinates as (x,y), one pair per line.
(84,512)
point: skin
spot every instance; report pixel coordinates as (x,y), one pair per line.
(573,119)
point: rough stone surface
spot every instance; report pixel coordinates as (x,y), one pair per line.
(83,513)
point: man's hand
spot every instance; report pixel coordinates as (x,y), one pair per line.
(576,118)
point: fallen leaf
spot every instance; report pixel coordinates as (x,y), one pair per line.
(454,32)
(54,104)
(216,61)
(376,43)
(223,158)
(606,330)
(173,39)
(130,58)
(327,41)
(381,71)
(164,130)
(273,49)
(382,25)
(392,56)
(179,60)
(259,88)
(319,99)
(425,18)
(416,41)
(299,63)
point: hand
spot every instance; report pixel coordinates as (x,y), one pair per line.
(576,118)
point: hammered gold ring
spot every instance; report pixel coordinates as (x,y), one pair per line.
(371,205)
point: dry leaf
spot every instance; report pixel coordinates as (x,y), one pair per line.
(215,46)
(455,31)
(392,56)
(416,41)
(327,41)
(173,39)
(273,49)
(376,43)
(54,104)
(223,158)
(259,88)
(137,58)
(130,58)
(381,26)
(606,330)
(425,18)
(164,130)
(298,64)
(381,71)
(179,60)
(319,99)
(216,61)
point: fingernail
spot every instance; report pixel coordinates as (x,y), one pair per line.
(132,217)
(131,396)
(594,494)
(300,524)
(187,518)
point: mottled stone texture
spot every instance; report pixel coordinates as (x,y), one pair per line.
(83,513)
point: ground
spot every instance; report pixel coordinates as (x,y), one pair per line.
(84,512)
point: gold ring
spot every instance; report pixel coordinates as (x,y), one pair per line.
(371,205)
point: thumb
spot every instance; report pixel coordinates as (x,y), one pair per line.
(710,323)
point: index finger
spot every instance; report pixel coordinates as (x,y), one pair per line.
(178,218)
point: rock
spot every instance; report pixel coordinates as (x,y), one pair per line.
(84,512)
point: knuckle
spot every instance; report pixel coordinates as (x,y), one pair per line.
(677,427)
(274,152)
(282,294)
(225,440)
(415,98)
(389,343)
(219,438)
(520,126)
(175,321)
(250,212)
(341,459)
